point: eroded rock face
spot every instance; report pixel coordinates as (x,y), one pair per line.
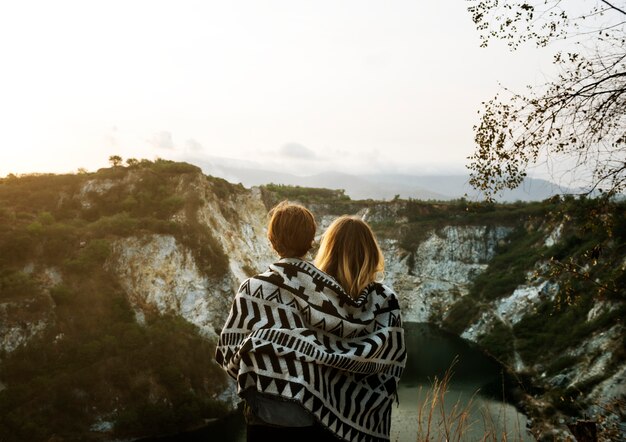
(22,320)
(443,268)
(159,274)
(240,225)
(511,309)
(27,317)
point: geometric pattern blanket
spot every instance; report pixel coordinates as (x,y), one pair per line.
(294,333)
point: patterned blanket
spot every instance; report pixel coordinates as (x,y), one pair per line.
(294,333)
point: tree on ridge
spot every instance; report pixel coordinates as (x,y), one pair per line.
(115,160)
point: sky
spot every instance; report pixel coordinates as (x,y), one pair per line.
(300,86)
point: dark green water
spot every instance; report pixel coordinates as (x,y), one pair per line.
(476,388)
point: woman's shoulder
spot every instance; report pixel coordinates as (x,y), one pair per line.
(380,294)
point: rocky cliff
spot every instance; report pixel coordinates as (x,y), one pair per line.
(165,241)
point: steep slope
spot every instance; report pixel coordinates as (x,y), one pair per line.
(113,287)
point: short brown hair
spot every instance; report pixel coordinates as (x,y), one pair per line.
(291,229)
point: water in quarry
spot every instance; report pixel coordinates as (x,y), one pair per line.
(477,388)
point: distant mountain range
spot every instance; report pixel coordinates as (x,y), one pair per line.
(379,186)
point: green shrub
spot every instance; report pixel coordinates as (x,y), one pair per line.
(45,218)
(60,241)
(207,250)
(16,248)
(222,189)
(92,255)
(498,342)
(119,224)
(542,334)
(35,228)
(14,284)
(62,295)
(305,195)
(462,313)
(173,167)
(508,268)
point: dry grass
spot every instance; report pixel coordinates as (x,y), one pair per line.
(438,420)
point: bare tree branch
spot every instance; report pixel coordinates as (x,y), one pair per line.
(613,7)
(580,115)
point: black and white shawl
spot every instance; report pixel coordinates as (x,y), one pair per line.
(294,333)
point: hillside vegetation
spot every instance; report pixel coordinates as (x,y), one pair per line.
(93,370)
(94,358)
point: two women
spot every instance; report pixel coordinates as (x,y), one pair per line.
(317,352)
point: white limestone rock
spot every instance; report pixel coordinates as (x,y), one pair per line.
(555,236)
(444,266)
(14,333)
(158,273)
(27,317)
(595,354)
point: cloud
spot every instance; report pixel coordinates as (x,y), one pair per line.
(193,145)
(162,140)
(296,150)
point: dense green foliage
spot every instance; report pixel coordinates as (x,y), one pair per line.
(583,264)
(305,195)
(321,201)
(94,360)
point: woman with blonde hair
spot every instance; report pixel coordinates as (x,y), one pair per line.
(350,253)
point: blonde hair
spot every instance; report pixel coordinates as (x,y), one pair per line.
(291,229)
(350,253)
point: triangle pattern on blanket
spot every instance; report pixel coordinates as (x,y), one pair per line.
(258,293)
(296,389)
(347,434)
(287,390)
(245,287)
(321,324)
(324,416)
(281,384)
(353,334)
(317,405)
(292,303)
(332,421)
(394,320)
(378,326)
(308,400)
(265,382)
(338,329)
(275,296)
